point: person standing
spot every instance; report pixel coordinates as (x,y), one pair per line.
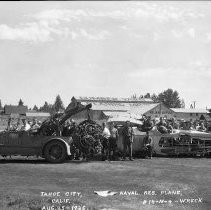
(148,145)
(113,141)
(128,135)
(106,137)
(147,123)
(175,123)
(169,127)
(106,132)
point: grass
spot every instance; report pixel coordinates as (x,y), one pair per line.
(22,182)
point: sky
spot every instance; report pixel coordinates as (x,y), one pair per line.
(105,49)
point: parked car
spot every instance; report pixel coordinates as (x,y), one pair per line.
(54,149)
(47,142)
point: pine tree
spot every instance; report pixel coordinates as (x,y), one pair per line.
(170,98)
(35,108)
(58,105)
(20,103)
(45,107)
(147,95)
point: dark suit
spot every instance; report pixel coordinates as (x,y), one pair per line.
(148,146)
(127,141)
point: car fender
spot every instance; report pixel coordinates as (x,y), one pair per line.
(61,140)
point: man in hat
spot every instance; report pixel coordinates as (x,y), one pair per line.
(148,145)
(147,123)
(161,126)
(169,127)
(128,134)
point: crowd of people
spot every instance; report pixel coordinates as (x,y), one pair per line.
(162,125)
(168,125)
(111,132)
(23,125)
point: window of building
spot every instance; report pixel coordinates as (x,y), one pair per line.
(197,114)
(191,114)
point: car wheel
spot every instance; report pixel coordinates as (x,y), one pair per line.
(55,152)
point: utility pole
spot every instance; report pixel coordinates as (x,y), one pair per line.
(194,104)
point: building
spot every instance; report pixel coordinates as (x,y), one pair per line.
(38,115)
(155,110)
(113,104)
(190,114)
(23,112)
(15,110)
(124,108)
(113,100)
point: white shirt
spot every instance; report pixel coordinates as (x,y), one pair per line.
(26,127)
(106,133)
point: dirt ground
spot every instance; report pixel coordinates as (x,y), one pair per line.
(160,183)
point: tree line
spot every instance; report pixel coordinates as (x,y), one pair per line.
(170,98)
(57,106)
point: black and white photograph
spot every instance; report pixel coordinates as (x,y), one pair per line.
(105,105)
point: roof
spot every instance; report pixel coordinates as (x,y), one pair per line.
(120,107)
(121,114)
(183,110)
(115,113)
(113,100)
(134,111)
(122,119)
(11,109)
(110,106)
(140,110)
(37,114)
